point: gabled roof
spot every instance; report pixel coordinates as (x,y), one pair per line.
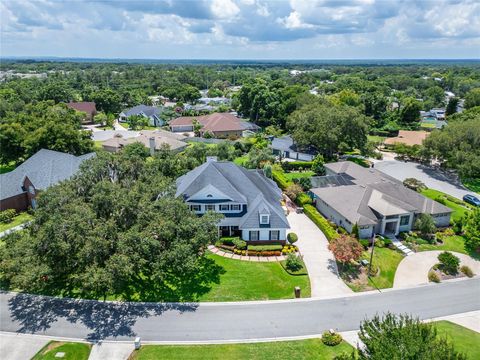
(407,137)
(216,122)
(83,106)
(161,137)
(244,186)
(44,169)
(363,195)
(149,111)
(286,143)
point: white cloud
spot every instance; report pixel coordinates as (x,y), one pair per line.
(224,9)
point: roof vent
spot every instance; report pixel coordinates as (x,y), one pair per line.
(211,159)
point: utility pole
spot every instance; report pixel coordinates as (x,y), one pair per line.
(371,255)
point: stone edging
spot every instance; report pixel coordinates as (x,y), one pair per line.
(219,252)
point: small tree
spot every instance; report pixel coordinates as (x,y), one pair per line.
(449,263)
(196,127)
(346,249)
(414,184)
(355,231)
(318,165)
(403,337)
(101,118)
(292,238)
(293,191)
(293,263)
(267,171)
(472,231)
(426,225)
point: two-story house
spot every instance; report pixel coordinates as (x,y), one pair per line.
(249,201)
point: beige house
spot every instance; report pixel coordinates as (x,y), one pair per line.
(152,139)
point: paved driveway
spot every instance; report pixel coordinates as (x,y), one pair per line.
(432,178)
(19,346)
(320,263)
(413,269)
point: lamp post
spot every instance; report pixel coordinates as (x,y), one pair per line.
(371,255)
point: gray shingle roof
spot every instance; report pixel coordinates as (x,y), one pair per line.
(45,168)
(145,109)
(359,194)
(286,143)
(240,185)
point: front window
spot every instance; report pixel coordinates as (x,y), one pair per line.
(264,219)
(223,207)
(404,220)
(235,207)
(195,207)
(210,207)
(275,235)
(254,235)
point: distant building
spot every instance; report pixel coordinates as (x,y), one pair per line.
(19,188)
(152,139)
(285,147)
(152,113)
(86,107)
(220,125)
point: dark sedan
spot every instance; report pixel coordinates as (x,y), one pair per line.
(472,200)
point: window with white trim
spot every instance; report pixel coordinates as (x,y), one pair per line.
(195,207)
(254,235)
(235,207)
(404,220)
(223,207)
(264,219)
(209,207)
(274,235)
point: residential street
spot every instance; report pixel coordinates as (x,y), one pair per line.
(227,321)
(433,179)
(320,262)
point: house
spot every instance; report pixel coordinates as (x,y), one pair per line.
(152,139)
(153,114)
(86,107)
(285,147)
(407,137)
(350,194)
(220,125)
(249,201)
(438,113)
(19,188)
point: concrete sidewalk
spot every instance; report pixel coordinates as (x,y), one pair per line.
(413,269)
(320,263)
(19,346)
(111,351)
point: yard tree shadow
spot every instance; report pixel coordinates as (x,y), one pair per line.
(37,313)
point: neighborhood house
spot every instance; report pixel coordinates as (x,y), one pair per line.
(152,139)
(86,107)
(152,113)
(249,201)
(379,204)
(285,147)
(19,187)
(407,137)
(219,125)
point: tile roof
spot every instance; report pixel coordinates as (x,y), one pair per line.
(360,194)
(45,168)
(216,122)
(408,138)
(161,137)
(240,185)
(84,106)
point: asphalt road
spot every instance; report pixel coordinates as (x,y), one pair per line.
(222,321)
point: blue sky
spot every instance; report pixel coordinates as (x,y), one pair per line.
(241,29)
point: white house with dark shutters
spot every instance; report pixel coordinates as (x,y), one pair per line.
(249,201)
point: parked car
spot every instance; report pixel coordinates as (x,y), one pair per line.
(472,200)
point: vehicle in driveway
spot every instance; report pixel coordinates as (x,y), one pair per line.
(472,200)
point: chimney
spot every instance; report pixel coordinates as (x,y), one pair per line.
(152,145)
(211,158)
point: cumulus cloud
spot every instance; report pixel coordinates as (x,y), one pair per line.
(231,26)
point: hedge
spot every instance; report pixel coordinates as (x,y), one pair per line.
(281,181)
(320,221)
(303,199)
(296,165)
(265,247)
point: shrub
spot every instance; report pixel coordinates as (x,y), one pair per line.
(293,191)
(265,247)
(433,276)
(387,242)
(355,231)
(303,199)
(240,244)
(280,179)
(449,263)
(346,249)
(365,243)
(293,263)
(414,184)
(320,221)
(296,165)
(467,271)
(331,338)
(292,238)
(318,165)
(373,270)
(7,216)
(380,243)
(425,224)
(229,241)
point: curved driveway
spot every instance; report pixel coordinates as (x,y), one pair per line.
(205,322)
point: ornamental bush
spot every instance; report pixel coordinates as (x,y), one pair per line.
(292,238)
(467,271)
(449,263)
(433,276)
(320,221)
(265,247)
(331,338)
(240,244)
(7,216)
(293,263)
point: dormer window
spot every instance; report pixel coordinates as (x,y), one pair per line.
(264,219)
(209,196)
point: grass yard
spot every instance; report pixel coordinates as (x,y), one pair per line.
(376,138)
(17,220)
(464,340)
(297,174)
(73,351)
(246,280)
(301,349)
(458,210)
(450,243)
(472,184)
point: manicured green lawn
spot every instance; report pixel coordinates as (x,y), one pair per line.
(302,349)
(17,220)
(73,351)
(450,243)
(241,160)
(387,260)
(376,138)
(458,210)
(463,339)
(246,280)
(472,184)
(294,174)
